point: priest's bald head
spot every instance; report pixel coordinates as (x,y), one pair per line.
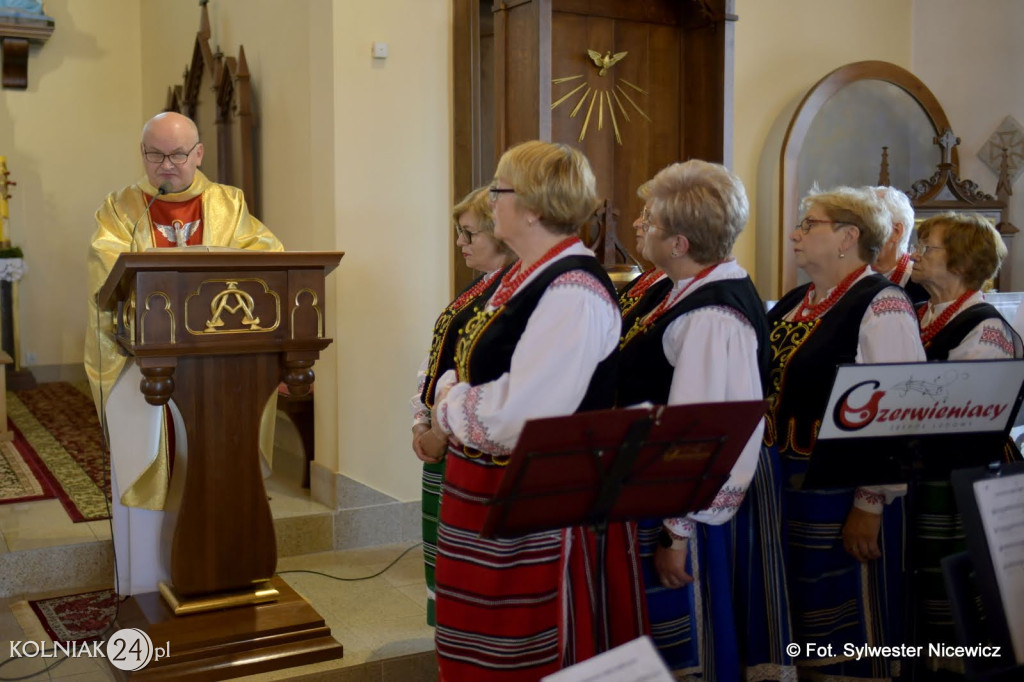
(171,150)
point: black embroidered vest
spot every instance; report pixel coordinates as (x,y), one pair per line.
(804,357)
(916,293)
(645,372)
(634,307)
(446,333)
(953,334)
(487,341)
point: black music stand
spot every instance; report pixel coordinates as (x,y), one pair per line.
(593,468)
(852,450)
(979,559)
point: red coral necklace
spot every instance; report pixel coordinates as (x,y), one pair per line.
(670,300)
(901,268)
(928,333)
(807,312)
(474,291)
(516,275)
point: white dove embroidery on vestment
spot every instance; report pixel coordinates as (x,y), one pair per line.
(178,233)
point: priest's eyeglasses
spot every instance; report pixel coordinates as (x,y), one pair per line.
(460,231)
(177,158)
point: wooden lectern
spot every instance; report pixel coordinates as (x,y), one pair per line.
(218,332)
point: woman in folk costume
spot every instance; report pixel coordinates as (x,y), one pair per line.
(474,235)
(956,254)
(843,545)
(706,340)
(543,346)
(641,295)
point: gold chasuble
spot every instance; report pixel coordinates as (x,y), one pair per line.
(223,220)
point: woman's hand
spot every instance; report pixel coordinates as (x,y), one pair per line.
(426,445)
(860,534)
(671,567)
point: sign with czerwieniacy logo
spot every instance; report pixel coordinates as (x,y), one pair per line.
(922,397)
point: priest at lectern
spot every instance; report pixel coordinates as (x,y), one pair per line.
(175,205)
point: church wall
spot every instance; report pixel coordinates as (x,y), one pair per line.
(392,151)
(782,49)
(971,56)
(70,138)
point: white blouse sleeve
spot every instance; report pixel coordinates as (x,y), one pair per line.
(575,326)
(420,412)
(889,332)
(991,340)
(714,351)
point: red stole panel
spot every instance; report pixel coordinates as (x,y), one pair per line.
(175,222)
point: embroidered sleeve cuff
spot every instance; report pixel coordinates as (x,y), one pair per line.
(869,500)
(442,417)
(681,528)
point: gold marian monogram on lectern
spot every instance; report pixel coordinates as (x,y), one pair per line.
(243,302)
(230,303)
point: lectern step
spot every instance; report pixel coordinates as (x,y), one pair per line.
(230,643)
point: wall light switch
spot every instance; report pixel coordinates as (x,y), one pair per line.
(380,50)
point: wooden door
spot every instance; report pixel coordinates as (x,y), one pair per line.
(667,99)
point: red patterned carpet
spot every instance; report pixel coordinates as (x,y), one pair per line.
(22,474)
(59,424)
(78,617)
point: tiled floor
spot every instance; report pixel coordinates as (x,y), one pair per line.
(376,620)
(380,621)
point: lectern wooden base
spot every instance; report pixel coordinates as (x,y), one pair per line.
(219,645)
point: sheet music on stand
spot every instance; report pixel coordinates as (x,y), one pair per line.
(619,465)
(992,507)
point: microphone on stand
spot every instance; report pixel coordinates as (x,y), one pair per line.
(163,189)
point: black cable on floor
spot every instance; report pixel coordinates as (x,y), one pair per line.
(365,577)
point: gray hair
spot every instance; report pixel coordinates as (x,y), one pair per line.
(704,202)
(900,210)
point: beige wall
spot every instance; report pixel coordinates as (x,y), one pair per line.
(782,49)
(971,56)
(65,143)
(392,192)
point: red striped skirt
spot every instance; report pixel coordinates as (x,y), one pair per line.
(522,608)
(497,600)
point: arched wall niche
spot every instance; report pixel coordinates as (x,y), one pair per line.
(837,134)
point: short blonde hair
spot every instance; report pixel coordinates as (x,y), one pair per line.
(554,181)
(974,248)
(900,210)
(859,207)
(704,202)
(478,202)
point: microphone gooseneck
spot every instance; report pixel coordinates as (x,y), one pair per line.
(163,189)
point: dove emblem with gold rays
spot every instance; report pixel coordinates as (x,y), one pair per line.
(612,97)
